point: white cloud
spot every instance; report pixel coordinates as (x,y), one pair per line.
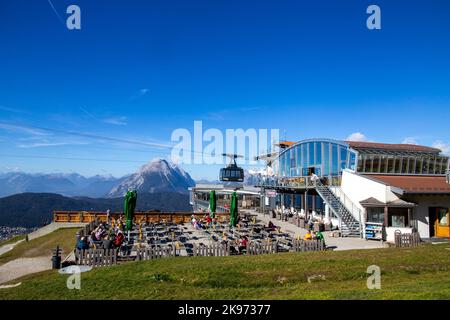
(23,129)
(118,121)
(356,136)
(445,147)
(14,110)
(48,144)
(143,91)
(409,140)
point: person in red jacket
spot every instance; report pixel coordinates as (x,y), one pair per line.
(243,244)
(118,240)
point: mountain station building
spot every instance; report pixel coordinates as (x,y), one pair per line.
(358,186)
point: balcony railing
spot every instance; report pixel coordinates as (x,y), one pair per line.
(205,205)
(295,182)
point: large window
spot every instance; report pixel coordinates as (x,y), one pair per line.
(311,160)
(411,165)
(376,164)
(438,166)
(343,158)
(283,165)
(390,164)
(404,165)
(352,161)
(431,167)
(368,164)
(328,158)
(398,164)
(361,159)
(304,155)
(318,152)
(334,160)
(375,214)
(398,217)
(383,165)
(418,166)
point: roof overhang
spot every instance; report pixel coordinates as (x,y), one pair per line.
(399,203)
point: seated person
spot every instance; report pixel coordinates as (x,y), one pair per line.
(319,236)
(308,236)
(243,244)
(82,244)
(107,243)
(224,239)
(233,250)
(119,239)
(271,226)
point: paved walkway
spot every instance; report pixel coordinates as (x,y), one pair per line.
(8,247)
(338,243)
(53,227)
(23,266)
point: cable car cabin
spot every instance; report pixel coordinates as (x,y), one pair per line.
(232,173)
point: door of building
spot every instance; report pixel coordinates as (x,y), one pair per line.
(439,217)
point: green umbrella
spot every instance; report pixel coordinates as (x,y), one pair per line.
(212,204)
(233,209)
(128,208)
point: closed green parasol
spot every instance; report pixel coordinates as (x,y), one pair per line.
(233,209)
(212,204)
(128,208)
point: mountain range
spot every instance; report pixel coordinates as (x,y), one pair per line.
(157,176)
(28,200)
(30,210)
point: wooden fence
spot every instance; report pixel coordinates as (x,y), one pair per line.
(96,257)
(406,240)
(101,257)
(156,252)
(213,250)
(254,248)
(140,216)
(308,245)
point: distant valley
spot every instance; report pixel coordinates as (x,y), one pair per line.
(29,199)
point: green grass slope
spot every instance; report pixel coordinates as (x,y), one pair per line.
(419,273)
(43,246)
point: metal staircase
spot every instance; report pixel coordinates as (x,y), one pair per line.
(349,225)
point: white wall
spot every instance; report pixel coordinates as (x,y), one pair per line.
(358,188)
(390,233)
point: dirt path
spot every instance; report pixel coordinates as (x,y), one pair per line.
(9,247)
(23,266)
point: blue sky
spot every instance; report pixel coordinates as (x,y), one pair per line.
(100,99)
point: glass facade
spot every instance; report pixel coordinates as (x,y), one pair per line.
(325,158)
(328,158)
(402,163)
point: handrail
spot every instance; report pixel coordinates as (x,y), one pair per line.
(348,204)
(293,182)
(206,204)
